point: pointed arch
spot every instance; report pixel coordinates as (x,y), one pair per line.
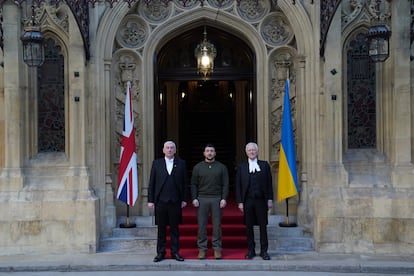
(60,26)
(360,116)
(105,45)
(223,21)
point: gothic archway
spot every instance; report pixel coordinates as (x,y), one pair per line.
(194,110)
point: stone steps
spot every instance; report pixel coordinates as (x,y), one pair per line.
(142,239)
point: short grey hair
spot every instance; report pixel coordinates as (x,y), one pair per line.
(170,142)
(252,144)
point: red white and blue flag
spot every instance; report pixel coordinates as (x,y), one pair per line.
(128,174)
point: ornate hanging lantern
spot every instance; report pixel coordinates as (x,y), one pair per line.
(205,52)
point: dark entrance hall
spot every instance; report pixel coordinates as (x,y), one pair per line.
(194,113)
(193,110)
(207,116)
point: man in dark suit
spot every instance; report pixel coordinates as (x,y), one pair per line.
(167,193)
(254,195)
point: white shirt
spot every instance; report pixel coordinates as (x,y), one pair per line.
(169,163)
(253,166)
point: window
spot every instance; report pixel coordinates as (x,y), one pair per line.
(361,96)
(51,100)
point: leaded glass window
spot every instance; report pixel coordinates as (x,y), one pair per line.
(361,96)
(51,100)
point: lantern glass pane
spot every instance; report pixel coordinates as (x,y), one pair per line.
(33,53)
(378,49)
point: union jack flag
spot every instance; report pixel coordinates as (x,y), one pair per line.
(128,174)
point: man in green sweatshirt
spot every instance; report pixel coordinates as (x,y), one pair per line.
(209,191)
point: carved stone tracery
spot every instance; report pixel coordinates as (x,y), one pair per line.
(221,3)
(47,15)
(365,10)
(132,32)
(80,10)
(281,68)
(276,30)
(156,12)
(186,4)
(125,68)
(252,11)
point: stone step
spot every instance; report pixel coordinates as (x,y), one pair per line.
(128,244)
(142,239)
(148,245)
(289,245)
(139,231)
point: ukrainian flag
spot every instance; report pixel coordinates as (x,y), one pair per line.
(287,178)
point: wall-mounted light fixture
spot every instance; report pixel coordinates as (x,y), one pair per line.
(379,42)
(32,39)
(378,37)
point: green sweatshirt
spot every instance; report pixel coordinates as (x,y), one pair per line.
(210,180)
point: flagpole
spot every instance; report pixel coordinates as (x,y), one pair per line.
(127,224)
(286,223)
(128,171)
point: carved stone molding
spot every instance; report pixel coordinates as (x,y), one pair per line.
(133,32)
(282,67)
(127,67)
(327,11)
(155,10)
(253,11)
(275,30)
(365,10)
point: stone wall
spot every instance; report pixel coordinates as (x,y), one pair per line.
(48,209)
(47,204)
(365,221)
(64,222)
(64,203)
(2,115)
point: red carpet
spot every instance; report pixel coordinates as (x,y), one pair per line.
(233,234)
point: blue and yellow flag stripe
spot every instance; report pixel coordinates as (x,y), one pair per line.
(287,178)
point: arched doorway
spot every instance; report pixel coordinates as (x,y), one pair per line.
(193,110)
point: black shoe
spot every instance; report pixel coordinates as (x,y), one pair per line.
(265,256)
(177,257)
(159,258)
(250,255)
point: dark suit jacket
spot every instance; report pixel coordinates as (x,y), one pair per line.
(264,178)
(158,178)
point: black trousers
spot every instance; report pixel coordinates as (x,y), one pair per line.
(168,214)
(255,213)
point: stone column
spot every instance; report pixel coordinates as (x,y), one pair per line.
(330,112)
(109,214)
(304,214)
(2,115)
(401,146)
(13,98)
